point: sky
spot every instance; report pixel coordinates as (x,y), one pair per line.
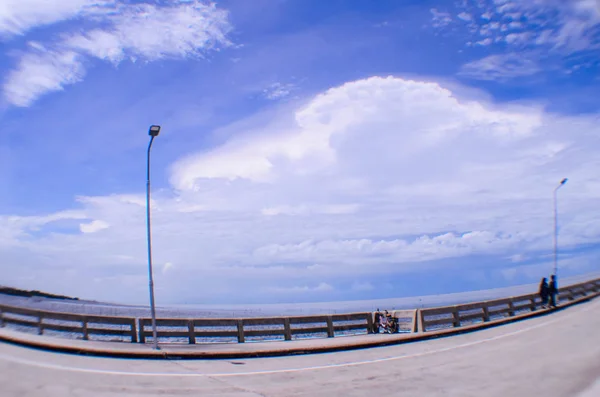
(309,150)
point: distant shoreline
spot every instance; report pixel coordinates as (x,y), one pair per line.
(396,303)
(34,293)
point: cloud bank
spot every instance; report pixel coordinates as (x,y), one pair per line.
(371,178)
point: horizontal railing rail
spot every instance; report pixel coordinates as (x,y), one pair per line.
(85,325)
(239,330)
(193,330)
(484,311)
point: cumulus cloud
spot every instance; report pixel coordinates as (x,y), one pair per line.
(331,125)
(374,176)
(115,32)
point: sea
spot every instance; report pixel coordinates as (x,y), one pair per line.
(269,310)
(262,310)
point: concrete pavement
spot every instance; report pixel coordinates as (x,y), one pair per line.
(550,356)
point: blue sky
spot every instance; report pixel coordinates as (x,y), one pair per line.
(310,150)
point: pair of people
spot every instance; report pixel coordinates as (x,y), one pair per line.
(383,322)
(548,292)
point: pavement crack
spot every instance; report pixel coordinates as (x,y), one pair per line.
(183,366)
(239,388)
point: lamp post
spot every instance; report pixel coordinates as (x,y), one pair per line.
(556,226)
(153,132)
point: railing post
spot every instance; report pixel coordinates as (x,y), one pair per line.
(533,306)
(191,332)
(421,324)
(511,308)
(240,331)
(455,317)
(486,313)
(287,330)
(370,323)
(39,324)
(142,337)
(133,330)
(84,328)
(330,332)
(415,324)
(1,318)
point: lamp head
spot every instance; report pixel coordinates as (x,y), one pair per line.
(563,181)
(154,130)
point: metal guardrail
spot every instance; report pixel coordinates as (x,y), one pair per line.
(284,328)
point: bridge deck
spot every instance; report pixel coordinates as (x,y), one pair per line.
(556,355)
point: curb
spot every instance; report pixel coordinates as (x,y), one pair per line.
(275,351)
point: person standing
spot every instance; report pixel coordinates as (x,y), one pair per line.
(377,320)
(383,323)
(544,290)
(553,290)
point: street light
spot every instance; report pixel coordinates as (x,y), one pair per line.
(556,226)
(153,132)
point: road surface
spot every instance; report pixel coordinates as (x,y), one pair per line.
(550,356)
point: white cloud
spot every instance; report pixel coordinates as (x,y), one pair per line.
(570,25)
(306,209)
(150,33)
(465,17)
(19,16)
(515,25)
(500,67)
(93,226)
(166,267)
(362,251)
(485,42)
(308,146)
(439,18)
(518,38)
(322,287)
(546,28)
(374,176)
(143,32)
(278,91)
(40,72)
